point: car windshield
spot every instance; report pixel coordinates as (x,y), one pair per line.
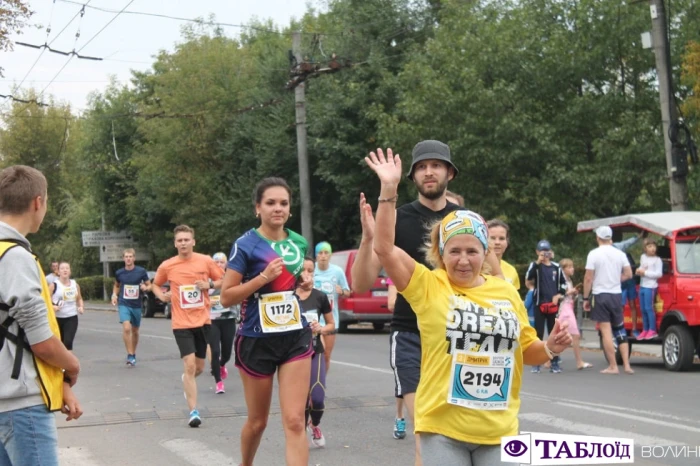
(688,255)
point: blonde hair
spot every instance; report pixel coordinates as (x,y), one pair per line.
(129,251)
(432,250)
(566,263)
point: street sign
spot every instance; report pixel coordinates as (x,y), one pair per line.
(114,252)
(94,238)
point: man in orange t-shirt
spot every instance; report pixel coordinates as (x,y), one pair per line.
(190,274)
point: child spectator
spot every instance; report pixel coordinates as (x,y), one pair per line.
(567,313)
(650,269)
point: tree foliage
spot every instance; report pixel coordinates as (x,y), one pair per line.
(14,15)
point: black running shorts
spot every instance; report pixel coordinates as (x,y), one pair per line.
(405,361)
(192,340)
(260,357)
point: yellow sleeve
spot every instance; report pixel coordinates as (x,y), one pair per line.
(423,282)
(528,335)
(516,279)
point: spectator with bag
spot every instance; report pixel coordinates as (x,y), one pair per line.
(548,282)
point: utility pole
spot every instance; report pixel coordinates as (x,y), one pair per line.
(105,265)
(302,156)
(669,113)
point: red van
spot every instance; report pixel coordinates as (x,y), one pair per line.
(362,307)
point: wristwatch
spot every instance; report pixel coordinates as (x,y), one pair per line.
(211,283)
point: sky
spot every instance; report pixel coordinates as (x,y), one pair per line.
(129,42)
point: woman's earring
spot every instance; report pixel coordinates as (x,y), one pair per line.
(290,215)
(257,215)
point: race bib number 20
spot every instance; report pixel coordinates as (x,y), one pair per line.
(481,380)
(191,297)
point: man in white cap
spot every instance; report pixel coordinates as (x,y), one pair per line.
(606,268)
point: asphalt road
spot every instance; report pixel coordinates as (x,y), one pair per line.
(137,416)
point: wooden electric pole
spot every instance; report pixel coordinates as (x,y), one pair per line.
(669,114)
(302,156)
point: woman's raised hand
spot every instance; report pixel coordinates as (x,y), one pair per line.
(387,168)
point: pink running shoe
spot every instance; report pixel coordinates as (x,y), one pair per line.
(219,388)
(643,335)
(223,373)
(651,334)
(317,438)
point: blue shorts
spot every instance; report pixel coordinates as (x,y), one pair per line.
(629,291)
(132,314)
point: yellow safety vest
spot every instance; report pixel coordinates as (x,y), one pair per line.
(49,378)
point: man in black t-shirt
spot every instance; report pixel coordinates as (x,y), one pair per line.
(431,170)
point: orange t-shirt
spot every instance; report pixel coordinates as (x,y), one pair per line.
(190,305)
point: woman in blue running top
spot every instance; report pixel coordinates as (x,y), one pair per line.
(262,273)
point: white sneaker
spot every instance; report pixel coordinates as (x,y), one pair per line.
(317,438)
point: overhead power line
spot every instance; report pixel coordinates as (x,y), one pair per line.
(60,52)
(192,20)
(77,35)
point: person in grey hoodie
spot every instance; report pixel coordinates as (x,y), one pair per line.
(36,370)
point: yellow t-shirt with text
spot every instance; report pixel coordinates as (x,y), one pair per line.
(510,274)
(494,306)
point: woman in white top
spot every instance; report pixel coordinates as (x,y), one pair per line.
(68,303)
(650,269)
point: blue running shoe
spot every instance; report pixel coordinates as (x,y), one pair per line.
(195,420)
(535,369)
(131,360)
(400,429)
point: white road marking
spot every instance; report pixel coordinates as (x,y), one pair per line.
(196,453)
(555,424)
(360,366)
(75,456)
(114,332)
(610,409)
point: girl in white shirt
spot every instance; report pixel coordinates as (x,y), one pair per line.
(650,270)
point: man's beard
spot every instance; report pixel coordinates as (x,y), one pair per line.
(435,193)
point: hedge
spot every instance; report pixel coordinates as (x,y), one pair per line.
(92,287)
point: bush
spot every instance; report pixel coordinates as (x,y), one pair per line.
(92,287)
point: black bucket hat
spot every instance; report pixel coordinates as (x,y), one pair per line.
(431,150)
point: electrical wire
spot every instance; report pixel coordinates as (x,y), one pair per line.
(177,18)
(77,35)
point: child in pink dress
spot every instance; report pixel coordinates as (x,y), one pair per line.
(567,313)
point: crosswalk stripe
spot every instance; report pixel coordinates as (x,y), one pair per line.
(196,453)
(555,424)
(75,456)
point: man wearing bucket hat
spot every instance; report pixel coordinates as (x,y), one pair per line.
(329,279)
(431,170)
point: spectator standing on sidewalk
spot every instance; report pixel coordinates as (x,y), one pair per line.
(629,287)
(606,268)
(549,286)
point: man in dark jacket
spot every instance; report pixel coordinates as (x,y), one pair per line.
(549,283)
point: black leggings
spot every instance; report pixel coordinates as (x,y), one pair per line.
(68,326)
(221,337)
(540,319)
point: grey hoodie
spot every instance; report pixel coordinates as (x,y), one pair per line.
(20,288)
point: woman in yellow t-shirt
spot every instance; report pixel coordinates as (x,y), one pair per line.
(474,332)
(499,237)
